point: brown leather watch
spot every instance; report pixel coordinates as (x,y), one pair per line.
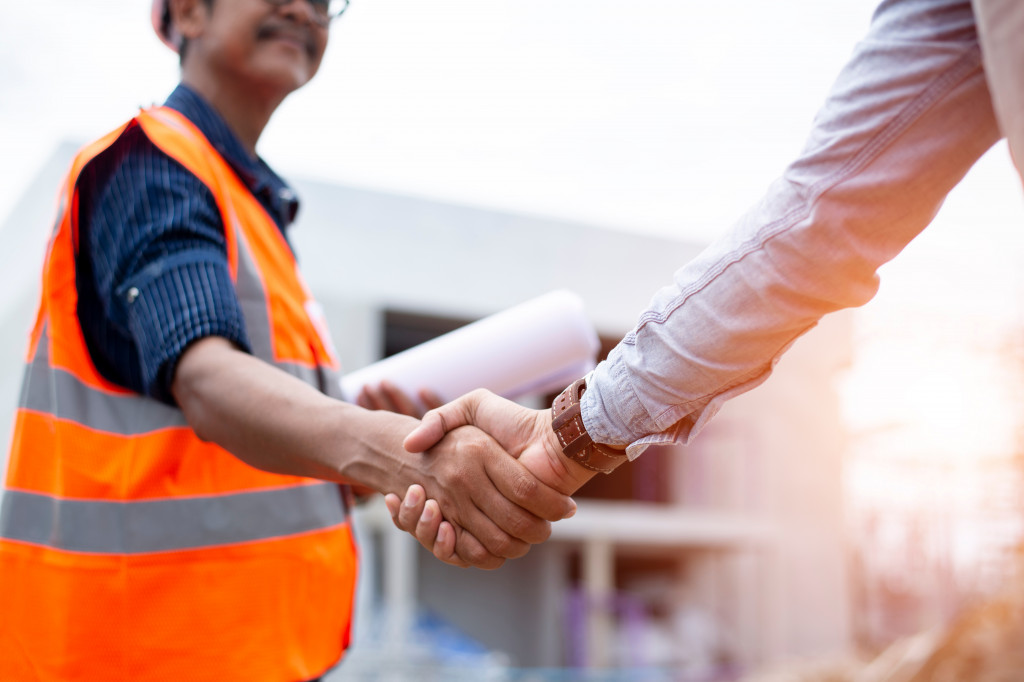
(577,444)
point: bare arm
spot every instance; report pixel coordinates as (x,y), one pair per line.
(277,423)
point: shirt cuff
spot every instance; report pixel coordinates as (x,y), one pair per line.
(612,412)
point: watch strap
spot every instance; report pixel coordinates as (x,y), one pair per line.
(577,445)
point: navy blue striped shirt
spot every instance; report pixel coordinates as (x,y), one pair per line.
(152,268)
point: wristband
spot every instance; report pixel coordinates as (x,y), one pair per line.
(577,445)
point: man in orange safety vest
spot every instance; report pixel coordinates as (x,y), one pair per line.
(172,508)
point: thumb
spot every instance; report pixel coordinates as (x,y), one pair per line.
(435,424)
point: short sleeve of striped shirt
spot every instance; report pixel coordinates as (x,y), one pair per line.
(152,272)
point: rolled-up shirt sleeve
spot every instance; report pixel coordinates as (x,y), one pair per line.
(177,300)
(906,119)
(153,276)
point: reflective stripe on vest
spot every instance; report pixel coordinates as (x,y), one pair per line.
(118,413)
(168,524)
(139,551)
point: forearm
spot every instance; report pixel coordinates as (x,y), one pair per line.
(277,423)
(905,121)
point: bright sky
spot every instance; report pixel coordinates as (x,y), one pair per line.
(656,115)
(659,116)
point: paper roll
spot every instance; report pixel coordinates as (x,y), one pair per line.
(535,347)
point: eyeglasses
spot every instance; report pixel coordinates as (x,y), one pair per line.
(324,11)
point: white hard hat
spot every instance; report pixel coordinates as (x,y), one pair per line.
(163,26)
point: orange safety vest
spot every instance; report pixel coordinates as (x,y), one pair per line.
(130,549)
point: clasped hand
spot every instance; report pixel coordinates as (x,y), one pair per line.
(513,498)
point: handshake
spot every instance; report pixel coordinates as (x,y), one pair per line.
(492,476)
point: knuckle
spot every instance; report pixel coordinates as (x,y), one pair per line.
(522,526)
(500,544)
(537,532)
(451,558)
(508,547)
(524,488)
(407,521)
(439,414)
(476,442)
(425,538)
(459,478)
(477,555)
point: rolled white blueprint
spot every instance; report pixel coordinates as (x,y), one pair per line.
(536,347)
